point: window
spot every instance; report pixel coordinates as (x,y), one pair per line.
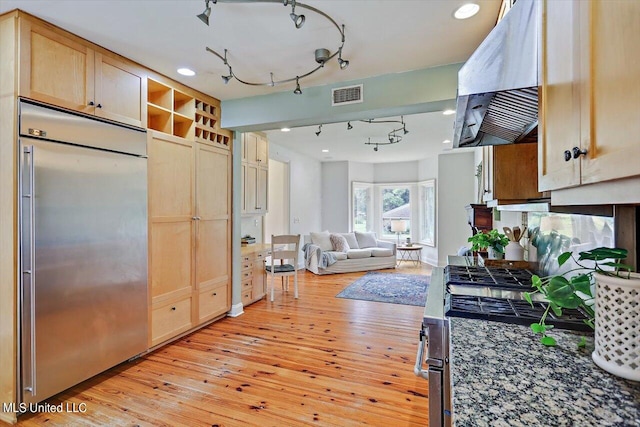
(362,206)
(396,212)
(428,212)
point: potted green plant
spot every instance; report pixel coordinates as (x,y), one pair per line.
(493,242)
(606,295)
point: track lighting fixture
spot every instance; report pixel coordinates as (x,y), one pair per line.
(298,20)
(204,16)
(393,137)
(322,55)
(343,63)
(298,91)
(319,130)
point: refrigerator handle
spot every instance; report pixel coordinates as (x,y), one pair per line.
(29,151)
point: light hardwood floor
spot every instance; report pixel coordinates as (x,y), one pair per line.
(318,360)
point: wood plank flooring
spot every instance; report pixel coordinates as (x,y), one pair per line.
(318,360)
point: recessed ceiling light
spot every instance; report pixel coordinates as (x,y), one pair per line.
(186,72)
(466,11)
(285,130)
(325,151)
(446,141)
(448,112)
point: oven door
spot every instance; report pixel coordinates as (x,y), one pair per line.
(436,372)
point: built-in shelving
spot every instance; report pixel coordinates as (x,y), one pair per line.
(177,113)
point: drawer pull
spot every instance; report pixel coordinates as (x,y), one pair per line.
(214,294)
(173,309)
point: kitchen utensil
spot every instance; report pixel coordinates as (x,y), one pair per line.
(508,233)
(517,233)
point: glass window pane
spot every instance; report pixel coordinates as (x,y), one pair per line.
(361,210)
(396,213)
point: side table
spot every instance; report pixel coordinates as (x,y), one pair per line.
(407,254)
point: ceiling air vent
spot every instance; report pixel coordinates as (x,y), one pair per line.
(346,95)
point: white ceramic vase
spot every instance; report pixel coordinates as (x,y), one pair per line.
(617,319)
(493,254)
(514,252)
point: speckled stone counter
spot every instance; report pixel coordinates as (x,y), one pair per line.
(502,376)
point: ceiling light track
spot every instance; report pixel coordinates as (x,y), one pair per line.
(322,55)
(394,136)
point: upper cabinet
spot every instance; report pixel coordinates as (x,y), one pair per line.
(510,173)
(590,131)
(255,173)
(63,70)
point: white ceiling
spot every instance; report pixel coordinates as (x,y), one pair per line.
(382,37)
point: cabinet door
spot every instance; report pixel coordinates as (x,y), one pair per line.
(613,92)
(251,147)
(262,192)
(213,213)
(515,172)
(121,91)
(55,69)
(171,207)
(560,98)
(250,188)
(262,151)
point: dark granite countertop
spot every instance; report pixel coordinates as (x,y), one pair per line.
(502,376)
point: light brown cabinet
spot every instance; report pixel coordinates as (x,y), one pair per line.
(61,69)
(189,233)
(255,174)
(252,276)
(590,100)
(510,174)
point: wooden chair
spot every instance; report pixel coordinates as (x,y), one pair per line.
(289,252)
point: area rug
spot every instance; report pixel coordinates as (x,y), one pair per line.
(394,288)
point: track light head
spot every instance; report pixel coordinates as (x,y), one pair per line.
(342,62)
(226,79)
(298,91)
(404,129)
(298,20)
(204,16)
(349,127)
(375,148)
(319,130)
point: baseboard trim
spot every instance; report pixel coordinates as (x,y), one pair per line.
(8,417)
(236,310)
(431,261)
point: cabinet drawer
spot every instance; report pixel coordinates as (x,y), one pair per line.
(212,302)
(247,297)
(247,264)
(169,320)
(247,285)
(246,275)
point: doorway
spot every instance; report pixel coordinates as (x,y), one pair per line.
(276,220)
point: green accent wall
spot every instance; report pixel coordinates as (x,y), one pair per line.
(411,92)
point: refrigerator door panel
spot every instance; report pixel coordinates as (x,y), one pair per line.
(89,264)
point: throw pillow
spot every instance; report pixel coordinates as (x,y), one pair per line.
(339,243)
(351,240)
(366,240)
(322,240)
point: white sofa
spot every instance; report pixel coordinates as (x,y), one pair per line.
(364,252)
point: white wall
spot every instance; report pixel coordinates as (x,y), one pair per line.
(305,204)
(396,172)
(335,196)
(455,190)
(428,169)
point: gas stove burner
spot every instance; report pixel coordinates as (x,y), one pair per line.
(512,311)
(495,277)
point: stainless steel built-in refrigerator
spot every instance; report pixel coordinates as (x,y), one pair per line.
(83,248)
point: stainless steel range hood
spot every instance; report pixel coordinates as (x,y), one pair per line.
(498,86)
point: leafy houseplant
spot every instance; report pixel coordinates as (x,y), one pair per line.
(493,239)
(575,291)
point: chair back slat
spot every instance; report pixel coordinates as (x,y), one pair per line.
(290,252)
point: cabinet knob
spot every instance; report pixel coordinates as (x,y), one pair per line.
(577,152)
(91,103)
(567,155)
(214,294)
(99,105)
(173,309)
